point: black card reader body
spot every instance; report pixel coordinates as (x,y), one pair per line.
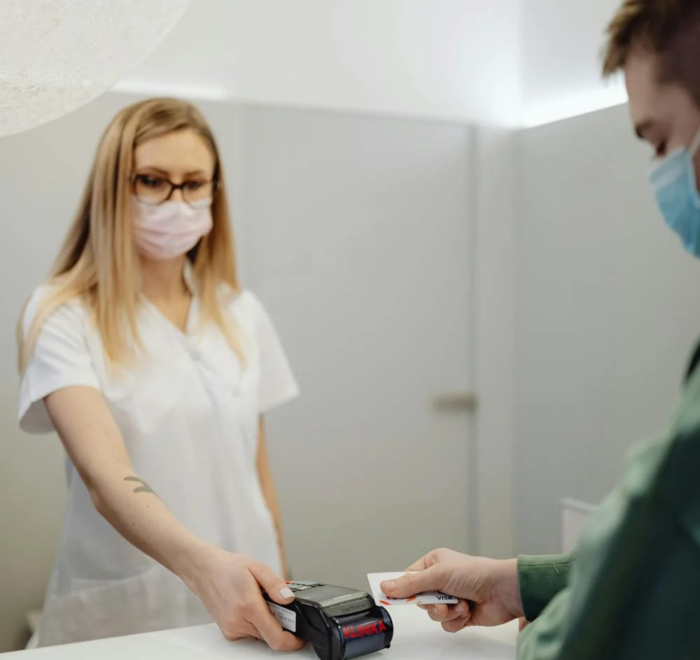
(340,623)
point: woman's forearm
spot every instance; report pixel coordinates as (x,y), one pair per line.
(95,446)
(131,506)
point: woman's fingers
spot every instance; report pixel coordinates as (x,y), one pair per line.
(241,630)
(258,613)
(271,631)
(270,582)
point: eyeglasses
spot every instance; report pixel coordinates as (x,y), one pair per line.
(154,190)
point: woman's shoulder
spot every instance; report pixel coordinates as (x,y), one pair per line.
(53,298)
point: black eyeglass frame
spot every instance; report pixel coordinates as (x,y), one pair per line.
(173,187)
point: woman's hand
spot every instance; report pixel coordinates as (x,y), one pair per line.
(230,587)
(489,589)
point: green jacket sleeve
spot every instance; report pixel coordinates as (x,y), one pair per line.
(541,579)
(634,587)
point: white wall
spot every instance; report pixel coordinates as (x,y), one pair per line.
(605,315)
(356,230)
(41,175)
(503,62)
(560,58)
(432,58)
(283,166)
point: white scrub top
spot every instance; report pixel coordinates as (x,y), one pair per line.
(188,411)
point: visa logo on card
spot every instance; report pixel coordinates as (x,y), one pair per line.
(427,598)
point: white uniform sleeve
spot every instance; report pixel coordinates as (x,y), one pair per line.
(277,382)
(60,359)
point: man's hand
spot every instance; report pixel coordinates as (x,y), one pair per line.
(230,587)
(488,588)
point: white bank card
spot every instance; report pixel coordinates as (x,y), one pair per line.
(427,598)
(286,618)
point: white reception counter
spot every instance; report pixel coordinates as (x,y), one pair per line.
(416,637)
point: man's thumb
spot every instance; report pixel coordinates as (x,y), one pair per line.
(413,584)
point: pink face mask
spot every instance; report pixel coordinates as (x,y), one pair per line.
(170,229)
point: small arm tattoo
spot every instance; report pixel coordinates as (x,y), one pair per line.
(143,488)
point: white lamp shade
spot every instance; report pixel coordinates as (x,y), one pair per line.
(56,55)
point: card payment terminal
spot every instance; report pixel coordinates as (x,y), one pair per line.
(339,623)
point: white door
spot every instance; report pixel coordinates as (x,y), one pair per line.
(355,233)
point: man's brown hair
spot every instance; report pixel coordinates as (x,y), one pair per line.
(667,28)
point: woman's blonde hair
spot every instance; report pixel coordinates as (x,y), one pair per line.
(98,262)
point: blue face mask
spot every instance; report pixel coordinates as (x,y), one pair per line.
(674,183)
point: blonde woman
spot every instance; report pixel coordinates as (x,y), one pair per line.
(155,368)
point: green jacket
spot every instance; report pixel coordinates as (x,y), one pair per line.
(632,589)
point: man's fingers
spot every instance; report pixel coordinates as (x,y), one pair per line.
(420,565)
(443,613)
(439,612)
(426,561)
(457,624)
(272,583)
(412,584)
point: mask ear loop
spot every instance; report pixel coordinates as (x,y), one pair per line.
(694,150)
(695,145)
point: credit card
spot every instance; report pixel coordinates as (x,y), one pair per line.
(426,598)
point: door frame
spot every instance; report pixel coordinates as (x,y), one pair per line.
(491,189)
